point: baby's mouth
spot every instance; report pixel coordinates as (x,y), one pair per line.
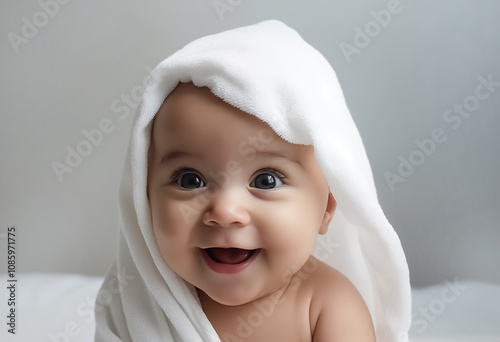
(232,256)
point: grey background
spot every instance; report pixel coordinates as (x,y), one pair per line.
(73,70)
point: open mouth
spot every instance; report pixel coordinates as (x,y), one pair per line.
(229,260)
(231,256)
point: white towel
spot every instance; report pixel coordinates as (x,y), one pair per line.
(269,71)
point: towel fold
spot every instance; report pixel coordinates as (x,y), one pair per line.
(269,71)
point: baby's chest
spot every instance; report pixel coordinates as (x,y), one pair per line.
(266,321)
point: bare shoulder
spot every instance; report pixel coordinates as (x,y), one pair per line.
(337,312)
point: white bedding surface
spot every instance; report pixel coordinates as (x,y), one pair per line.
(456,312)
(59,307)
(54,307)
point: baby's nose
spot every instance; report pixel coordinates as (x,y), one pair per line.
(226,208)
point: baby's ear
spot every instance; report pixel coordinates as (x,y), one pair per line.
(331,205)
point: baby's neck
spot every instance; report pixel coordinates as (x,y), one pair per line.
(274,317)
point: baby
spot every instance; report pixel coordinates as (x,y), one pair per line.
(243,152)
(240,226)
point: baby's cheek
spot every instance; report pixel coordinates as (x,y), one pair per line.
(161,224)
(300,224)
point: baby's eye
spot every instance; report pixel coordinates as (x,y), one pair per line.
(189,180)
(267,180)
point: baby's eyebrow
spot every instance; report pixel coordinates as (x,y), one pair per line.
(279,155)
(274,154)
(174,155)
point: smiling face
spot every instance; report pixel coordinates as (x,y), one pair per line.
(235,209)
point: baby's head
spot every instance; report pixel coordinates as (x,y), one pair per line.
(235,208)
(237,197)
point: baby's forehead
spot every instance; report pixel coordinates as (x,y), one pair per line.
(193,119)
(192,109)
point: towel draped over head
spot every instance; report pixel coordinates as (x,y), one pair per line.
(269,71)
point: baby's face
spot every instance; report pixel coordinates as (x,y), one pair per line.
(235,209)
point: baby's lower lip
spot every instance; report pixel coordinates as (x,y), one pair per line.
(227,268)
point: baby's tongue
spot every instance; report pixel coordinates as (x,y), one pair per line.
(229,255)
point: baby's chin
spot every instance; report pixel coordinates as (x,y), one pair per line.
(233,298)
(226,299)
